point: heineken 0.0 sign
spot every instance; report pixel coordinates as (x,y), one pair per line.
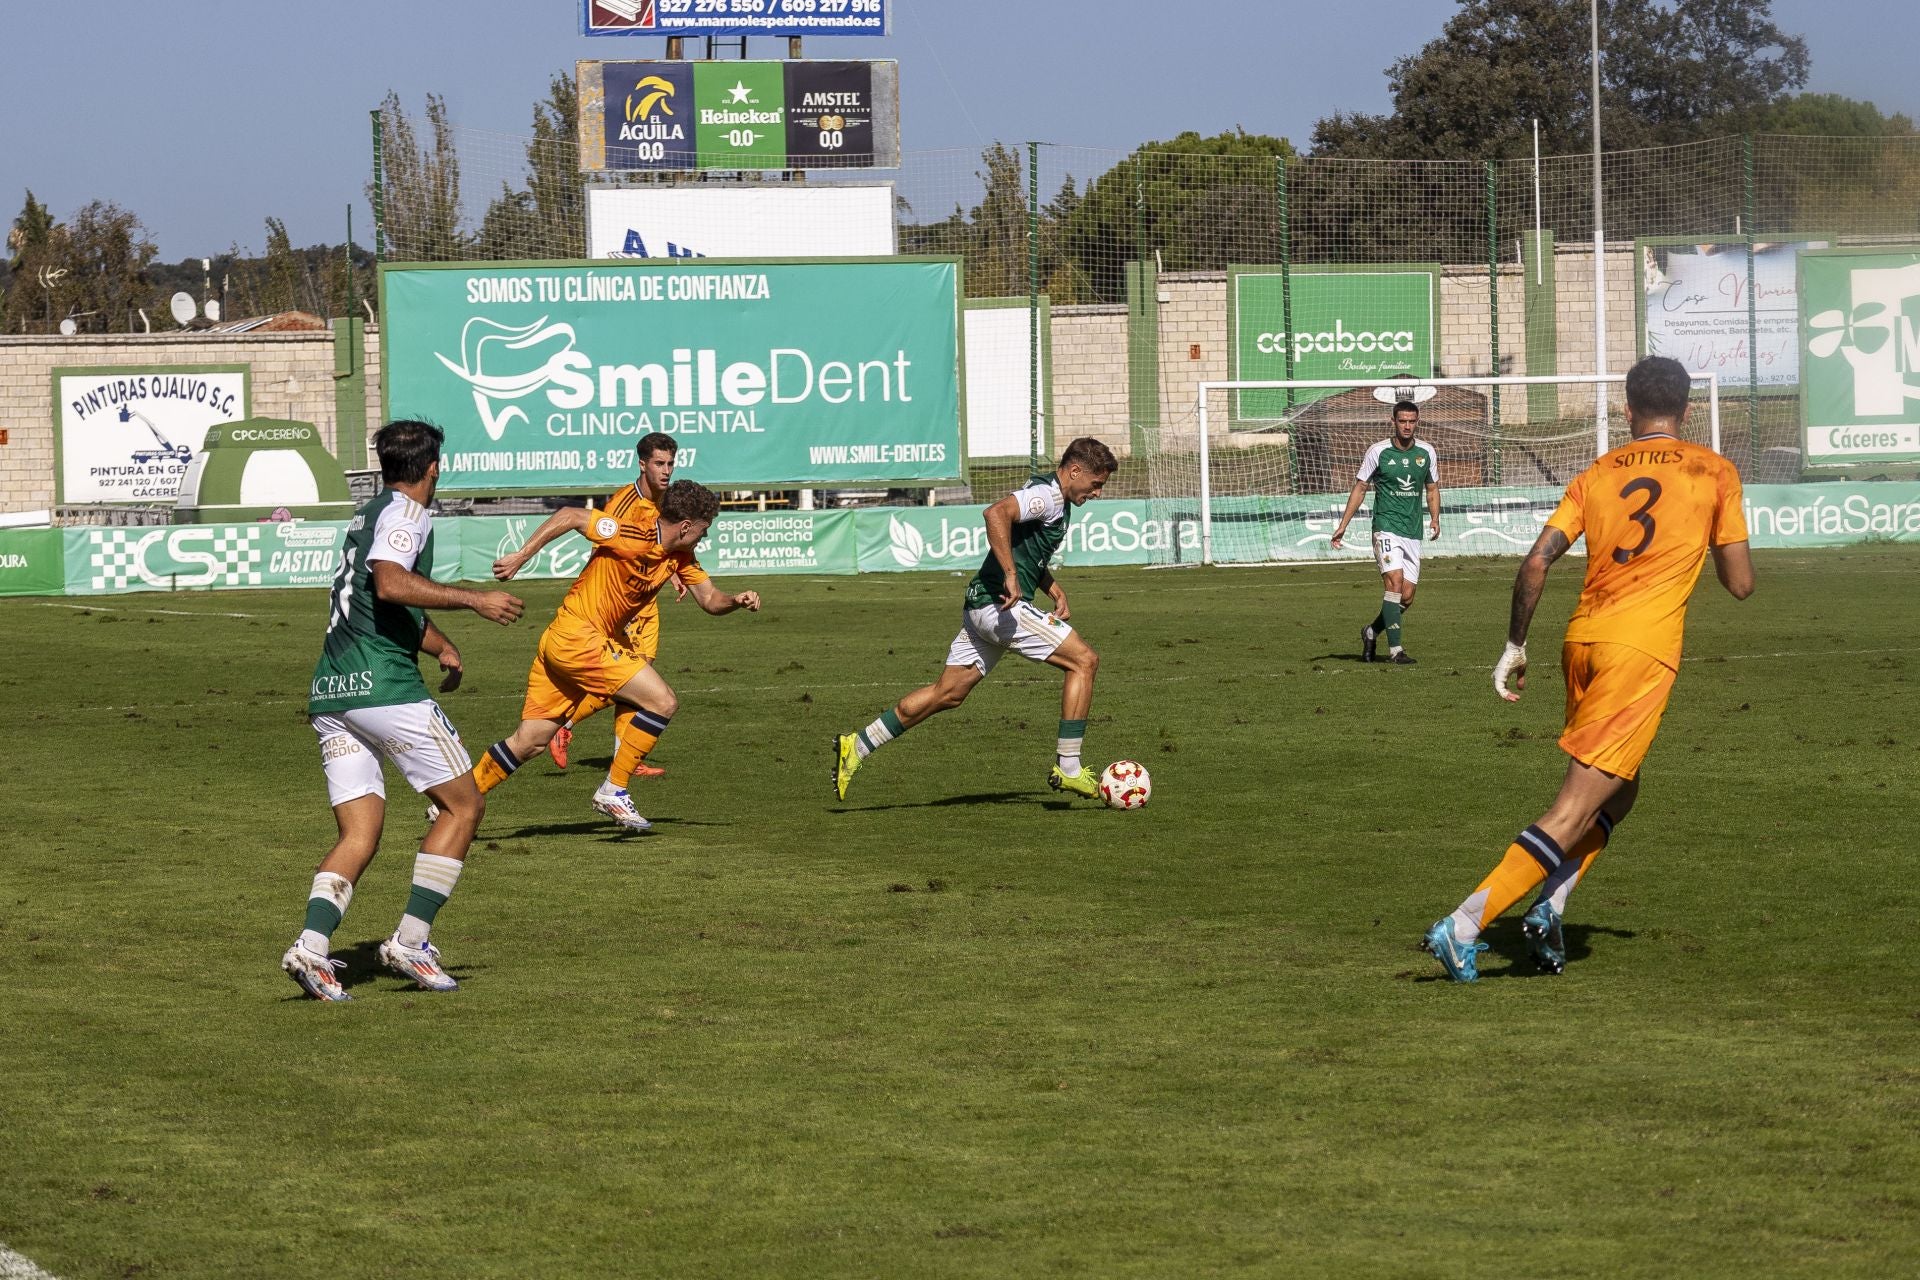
(1860,355)
(1361,324)
(545,374)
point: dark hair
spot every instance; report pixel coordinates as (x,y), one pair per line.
(1406,406)
(688,500)
(1091,455)
(1658,387)
(655,442)
(407,448)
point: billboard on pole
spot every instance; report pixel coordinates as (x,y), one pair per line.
(736,17)
(544,374)
(787,220)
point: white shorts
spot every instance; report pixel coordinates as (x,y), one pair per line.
(988,634)
(416,736)
(1391,551)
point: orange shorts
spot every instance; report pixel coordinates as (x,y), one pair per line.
(575,662)
(1615,696)
(643,633)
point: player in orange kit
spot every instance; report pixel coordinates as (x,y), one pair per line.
(583,652)
(1651,511)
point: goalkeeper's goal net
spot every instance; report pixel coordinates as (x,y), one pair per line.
(1258,472)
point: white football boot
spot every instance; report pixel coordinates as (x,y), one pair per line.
(421,963)
(618,805)
(314,973)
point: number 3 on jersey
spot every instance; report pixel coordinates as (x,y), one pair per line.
(1651,488)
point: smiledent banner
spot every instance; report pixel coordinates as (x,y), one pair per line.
(831,372)
(1474,522)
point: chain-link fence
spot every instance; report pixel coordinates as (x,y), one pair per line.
(1157,270)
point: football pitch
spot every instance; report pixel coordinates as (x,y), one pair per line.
(958,1025)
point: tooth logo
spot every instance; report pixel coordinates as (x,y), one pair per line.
(503,363)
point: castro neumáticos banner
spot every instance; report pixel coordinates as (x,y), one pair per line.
(544,374)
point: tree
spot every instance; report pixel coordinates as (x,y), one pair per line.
(1670,72)
(420,189)
(108,250)
(281,290)
(548,218)
(1200,202)
(32,244)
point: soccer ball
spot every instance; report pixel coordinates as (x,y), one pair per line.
(1125,784)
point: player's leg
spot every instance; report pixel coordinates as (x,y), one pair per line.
(358,795)
(554,689)
(646,704)
(969,658)
(1541,924)
(437,765)
(643,638)
(1077,658)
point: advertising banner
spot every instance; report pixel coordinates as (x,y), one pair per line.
(1367,324)
(544,374)
(792,220)
(1860,355)
(295,553)
(1001,364)
(735,17)
(126,433)
(797,114)
(1694,307)
(32,562)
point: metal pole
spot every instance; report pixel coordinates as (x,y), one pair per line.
(1599,248)
(1493,300)
(379,192)
(1286,269)
(1537,269)
(1206,486)
(1033,306)
(1753,320)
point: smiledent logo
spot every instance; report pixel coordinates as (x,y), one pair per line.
(501,362)
(1338,340)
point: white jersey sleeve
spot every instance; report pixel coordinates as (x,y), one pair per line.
(1040,501)
(401,532)
(1433,463)
(1370,463)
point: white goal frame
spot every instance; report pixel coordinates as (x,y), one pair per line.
(1600,431)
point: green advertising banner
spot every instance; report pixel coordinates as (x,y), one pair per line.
(32,562)
(820,373)
(1860,355)
(1474,522)
(1367,324)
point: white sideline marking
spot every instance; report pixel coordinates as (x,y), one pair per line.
(15,1267)
(1306,665)
(178,613)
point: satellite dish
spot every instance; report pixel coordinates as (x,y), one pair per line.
(182,307)
(213,308)
(68,328)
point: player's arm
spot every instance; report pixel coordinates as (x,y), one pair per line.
(397,584)
(716,601)
(1354,498)
(1000,518)
(434,643)
(1527,586)
(1051,585)
(1733,565)
(1433,508)
(564,521)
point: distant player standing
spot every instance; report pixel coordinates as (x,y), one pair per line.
(1400,470)
(368,703)
(1024,529)
(1651,511)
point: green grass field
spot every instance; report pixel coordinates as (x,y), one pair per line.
(957,1026)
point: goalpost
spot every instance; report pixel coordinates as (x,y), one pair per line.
(1258,461)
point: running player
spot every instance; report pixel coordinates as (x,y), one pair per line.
(657,452)
(1399,469)
(1024,529)
(1651,510)
(583,651)
(368,703)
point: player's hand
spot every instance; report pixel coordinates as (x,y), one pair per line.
(498,606)
(450,663)
(506,566)
(1339,535)
(1011,596)
(1434,531)
(748,600)
(1512,666)
(679,589)
(1060,609)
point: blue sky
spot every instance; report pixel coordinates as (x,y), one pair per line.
(204,117)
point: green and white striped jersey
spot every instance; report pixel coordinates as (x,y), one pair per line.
(1038,531)
(368,658)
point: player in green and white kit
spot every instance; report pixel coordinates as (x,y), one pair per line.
(1400,470)
(368,703)
(1024,530)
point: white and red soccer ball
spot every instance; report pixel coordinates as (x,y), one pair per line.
(1124,784)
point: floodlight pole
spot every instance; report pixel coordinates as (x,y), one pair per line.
(1599,247)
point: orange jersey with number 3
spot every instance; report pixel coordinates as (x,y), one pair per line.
(1650,510)
(627,567)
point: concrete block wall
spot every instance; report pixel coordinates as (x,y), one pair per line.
(1089,376)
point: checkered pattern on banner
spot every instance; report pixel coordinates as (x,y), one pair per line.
(115,557)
